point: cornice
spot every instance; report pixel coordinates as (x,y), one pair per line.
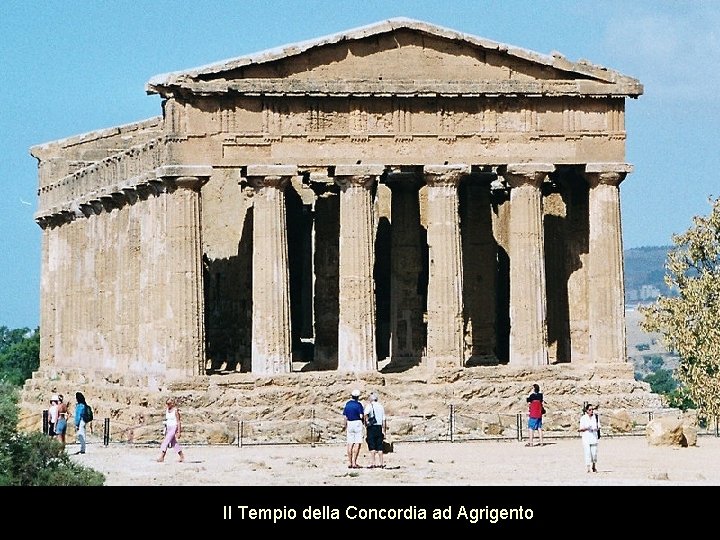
(403,88)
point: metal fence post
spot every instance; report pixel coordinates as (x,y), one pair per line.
(240,433)
(312,429)
(45,422)
(106,432)
(518,421)
(451,422)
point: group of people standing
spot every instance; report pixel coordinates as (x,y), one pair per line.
(58,415)
(372,418)
(589,426)
(359,419)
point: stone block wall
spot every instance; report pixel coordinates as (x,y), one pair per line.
(306,407)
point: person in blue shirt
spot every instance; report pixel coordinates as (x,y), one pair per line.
(79,422)
(354,415)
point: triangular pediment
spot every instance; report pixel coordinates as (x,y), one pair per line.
(398,56)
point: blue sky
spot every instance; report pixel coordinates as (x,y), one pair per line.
(71,67)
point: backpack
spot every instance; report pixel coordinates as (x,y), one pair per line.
(371,420)
(87,414)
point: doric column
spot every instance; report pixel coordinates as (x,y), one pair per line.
(356,326)
(606,286)
(445,281)
(528,306)
(48,293)
(271,332)
(185,294)
(154,317)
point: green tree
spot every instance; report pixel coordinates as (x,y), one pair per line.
(680,399)
(661,382)
(656,362)
(10,337)
(690,321)
(19,354)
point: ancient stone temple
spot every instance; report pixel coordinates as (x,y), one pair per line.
(392,196)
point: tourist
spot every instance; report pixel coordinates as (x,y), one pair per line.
(79,422)
(62,417)
(375,422)
(172,431)
(53,415)
(590,427)
(353,414)
(536,410)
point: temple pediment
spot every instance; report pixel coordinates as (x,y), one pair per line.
(400,57)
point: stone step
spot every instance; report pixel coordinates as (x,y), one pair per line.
(488,399)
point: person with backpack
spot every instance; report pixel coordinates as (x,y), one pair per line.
(536,409)
(375,423)
(80,422)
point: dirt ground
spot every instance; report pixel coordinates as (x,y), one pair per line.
(622,461)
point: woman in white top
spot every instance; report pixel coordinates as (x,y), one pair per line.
(172,431)
(590,427)
(53,415)
(375,422)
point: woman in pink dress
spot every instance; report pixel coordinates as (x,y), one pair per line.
(172,431)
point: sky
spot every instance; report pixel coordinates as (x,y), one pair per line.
(68,68)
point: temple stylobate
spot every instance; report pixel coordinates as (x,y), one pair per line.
(392,196)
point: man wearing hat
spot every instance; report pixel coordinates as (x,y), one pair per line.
(354,416)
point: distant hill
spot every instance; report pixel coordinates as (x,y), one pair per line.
(644,273)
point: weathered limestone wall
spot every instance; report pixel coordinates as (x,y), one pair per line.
(506,139)
(282,408)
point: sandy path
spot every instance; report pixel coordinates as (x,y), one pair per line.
(621,461)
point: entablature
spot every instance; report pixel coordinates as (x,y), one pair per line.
(288,87)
